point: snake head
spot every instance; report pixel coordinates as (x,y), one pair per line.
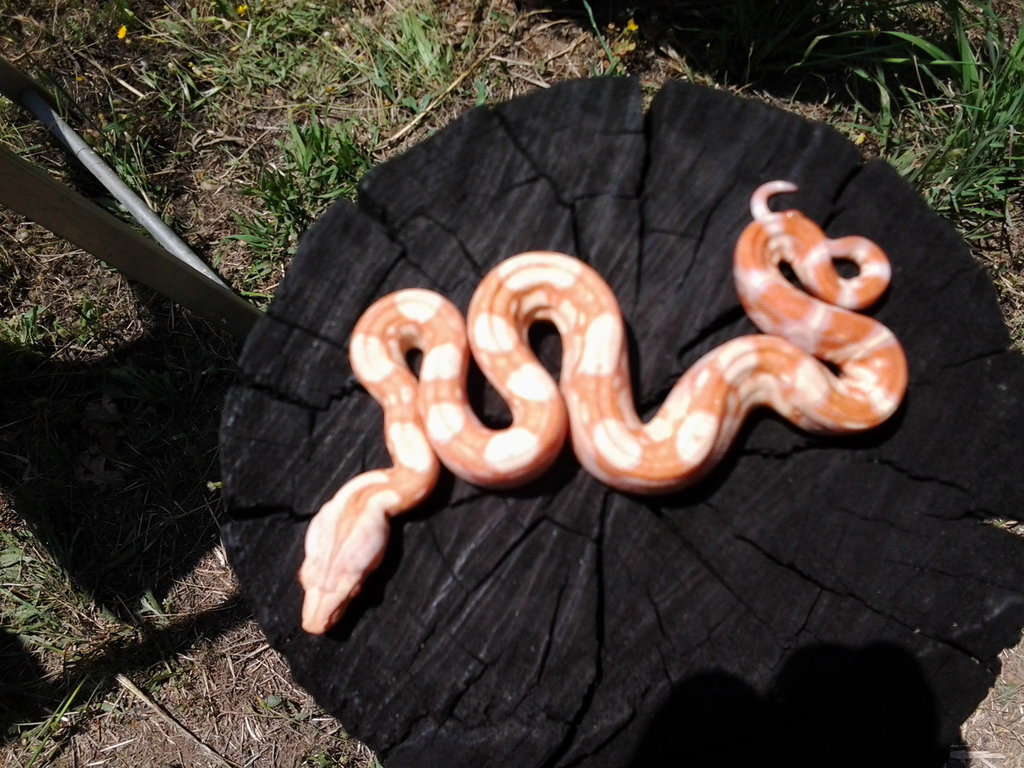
(322,609)
(345,542)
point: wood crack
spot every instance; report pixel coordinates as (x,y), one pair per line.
(851,595)
(589,693)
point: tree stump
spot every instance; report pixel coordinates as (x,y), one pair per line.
(828,600)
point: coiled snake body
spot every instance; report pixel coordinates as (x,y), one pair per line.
(428,421)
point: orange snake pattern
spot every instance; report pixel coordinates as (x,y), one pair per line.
(428,421)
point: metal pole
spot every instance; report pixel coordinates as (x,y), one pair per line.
(121,192)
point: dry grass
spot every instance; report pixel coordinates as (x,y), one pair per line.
(997,726)
(108,503)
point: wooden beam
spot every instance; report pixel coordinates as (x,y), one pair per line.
(14,82)
(31,192)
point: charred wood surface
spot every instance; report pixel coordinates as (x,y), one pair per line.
(817,599)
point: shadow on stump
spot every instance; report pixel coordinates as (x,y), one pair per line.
(107,463)
(829,705)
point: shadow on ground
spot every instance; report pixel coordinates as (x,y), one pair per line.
(26,696)
(108,463)
(829,704)
(799,49)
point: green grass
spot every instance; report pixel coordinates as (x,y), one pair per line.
(42,738)
(40,605)
(946,114)
(23,330)
(749,41)
(30,329)
(939,85)
(407,58)
(319,163)
(218,56)
(964,152)
(291,61)
(50,618)
(199,100)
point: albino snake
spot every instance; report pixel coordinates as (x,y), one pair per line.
(428,421)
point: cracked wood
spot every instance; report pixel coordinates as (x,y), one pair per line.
(827,593)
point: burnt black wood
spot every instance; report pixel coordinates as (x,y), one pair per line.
(814,597)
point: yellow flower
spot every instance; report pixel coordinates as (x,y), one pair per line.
(631,26)
(241,10)
(122,33)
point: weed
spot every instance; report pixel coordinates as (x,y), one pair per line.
(953,132)
(407,58)
(276,707)
(152,607)
(22,330)
(749,41)
(38,329)
(39,604)
(967,158)
(43,736)
(284,49)
(614,65)
(1006,693)
(320,162)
